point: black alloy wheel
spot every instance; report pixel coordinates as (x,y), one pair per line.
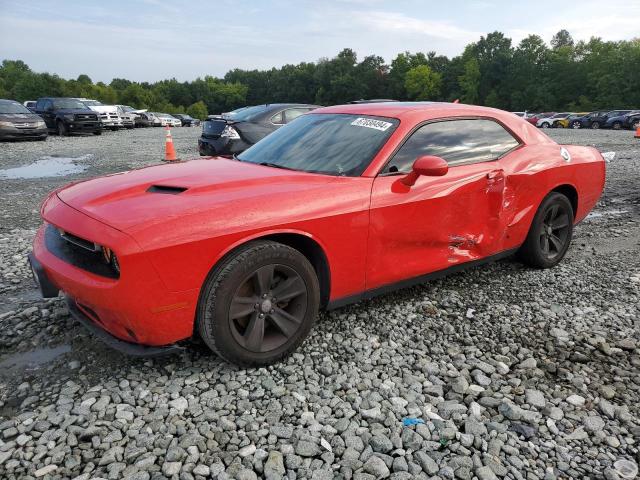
(258,303)
(550,233)
(268,308)
(554,231)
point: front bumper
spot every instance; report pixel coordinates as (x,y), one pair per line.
(84,126)
(12,133)
(136,307)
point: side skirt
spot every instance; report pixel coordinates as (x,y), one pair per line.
(392,287)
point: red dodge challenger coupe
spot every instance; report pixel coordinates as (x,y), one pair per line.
(342,204)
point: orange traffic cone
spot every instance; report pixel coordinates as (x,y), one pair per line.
(637,135)
(169,150)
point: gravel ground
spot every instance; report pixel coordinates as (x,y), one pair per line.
(497,372)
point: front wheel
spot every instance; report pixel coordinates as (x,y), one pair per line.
(576,125)
(616,125)
(63,131)
(97,132)
(545,125)
(259,304)
(595,125)
(550,233)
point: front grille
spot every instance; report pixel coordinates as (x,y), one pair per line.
(78,252)
(24,125)
(86,117)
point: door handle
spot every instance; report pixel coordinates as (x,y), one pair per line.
(495,175)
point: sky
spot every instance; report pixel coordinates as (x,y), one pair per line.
(149,40)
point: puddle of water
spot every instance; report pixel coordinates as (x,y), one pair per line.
(33,359)
(606,213)
(49,166)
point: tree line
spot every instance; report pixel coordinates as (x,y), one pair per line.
(534,76)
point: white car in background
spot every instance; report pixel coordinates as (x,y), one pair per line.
(550,122)
(126,113)
(108,114)
(169,120)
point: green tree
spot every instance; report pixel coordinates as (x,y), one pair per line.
(422,83)
(198,110)
(470,82)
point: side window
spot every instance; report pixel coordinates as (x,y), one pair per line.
(277,119)
(294,113)
(459,142)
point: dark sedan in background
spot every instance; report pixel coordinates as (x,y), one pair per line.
(17,121)
(235,132)
(187,120)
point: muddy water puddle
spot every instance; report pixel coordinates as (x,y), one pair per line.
(49,166)
(33,359)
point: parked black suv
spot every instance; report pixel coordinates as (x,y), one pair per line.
(236,131)
(68,115)
(17,121)
(187,120)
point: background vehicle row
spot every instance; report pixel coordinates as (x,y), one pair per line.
(615,119)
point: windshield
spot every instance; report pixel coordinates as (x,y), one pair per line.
(246,114)
(69,103)
(92,103)
(13,107)
(333,144)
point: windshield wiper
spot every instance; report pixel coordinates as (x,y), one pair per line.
(275,165)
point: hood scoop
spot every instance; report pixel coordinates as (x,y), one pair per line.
(166,189)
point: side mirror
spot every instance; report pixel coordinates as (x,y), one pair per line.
(428,166)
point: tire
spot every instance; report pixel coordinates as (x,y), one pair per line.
(576,125)
(248,280)
(98,132)
(616,125)
(63,131)
(595,125)
(545,125)
(554,219)
(635,125)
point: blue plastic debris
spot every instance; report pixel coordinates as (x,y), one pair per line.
(409,421)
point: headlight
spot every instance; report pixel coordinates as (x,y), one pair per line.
(230,132)
(111,259)
(69,116)
(6,124)
(40,124)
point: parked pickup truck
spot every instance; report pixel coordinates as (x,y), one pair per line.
(108,113)
(68,115)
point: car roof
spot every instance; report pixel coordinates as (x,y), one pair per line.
(403,109)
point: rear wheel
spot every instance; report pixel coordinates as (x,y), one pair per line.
(63,131)
(576,125)
(595,125)
(635,124)
(616,125)
(545,125)
(97,132)
(259,304)
(550,233)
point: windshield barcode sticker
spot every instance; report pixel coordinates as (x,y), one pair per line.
(371,123)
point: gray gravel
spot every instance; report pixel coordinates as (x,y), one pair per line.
(508,372)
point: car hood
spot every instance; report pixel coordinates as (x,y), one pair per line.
(19,117)
(152,195)
(104,108)
(75,111)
